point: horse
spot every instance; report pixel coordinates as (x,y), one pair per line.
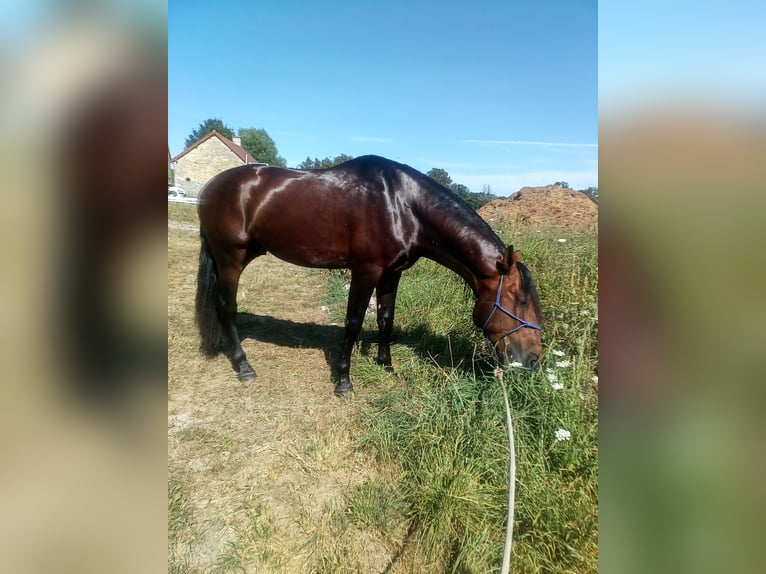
(371,215)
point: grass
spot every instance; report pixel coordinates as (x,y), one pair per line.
(444,427)
(184,212)
(410,474)
(258,474)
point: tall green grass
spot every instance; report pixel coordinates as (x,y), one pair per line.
(442,426)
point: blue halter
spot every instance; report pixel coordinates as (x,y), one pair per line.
(498,306)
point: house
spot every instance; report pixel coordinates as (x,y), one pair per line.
(206,157)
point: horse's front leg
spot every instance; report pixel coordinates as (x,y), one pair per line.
(359,295)
(386,296)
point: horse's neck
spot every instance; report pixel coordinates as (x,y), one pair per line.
(465,246)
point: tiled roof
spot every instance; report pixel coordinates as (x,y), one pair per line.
(241,152)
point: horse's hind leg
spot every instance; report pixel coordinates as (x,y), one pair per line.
(227,311)
(386,297)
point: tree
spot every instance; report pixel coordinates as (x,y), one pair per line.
(562,184)
(461,191)
(206,127)
(317,163)
(342,158)
(440,176)
(591,192)
(261,146)
(307,163)
(474,200)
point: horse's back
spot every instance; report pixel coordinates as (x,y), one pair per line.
(334,217)
(362,178)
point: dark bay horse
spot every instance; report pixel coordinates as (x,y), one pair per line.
(373,216)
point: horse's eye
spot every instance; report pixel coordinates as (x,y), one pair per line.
(521,301)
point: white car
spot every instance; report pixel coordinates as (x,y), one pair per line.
(175,191)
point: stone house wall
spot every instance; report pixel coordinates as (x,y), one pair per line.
(197,166)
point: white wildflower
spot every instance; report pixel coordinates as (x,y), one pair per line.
(563,434)
(558,353)
(562,240)
(325,308)
(516,364)
(585,313)
(594,378)
(564,363)
(557,386)
(552,377)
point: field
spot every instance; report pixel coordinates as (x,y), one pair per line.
(410,473)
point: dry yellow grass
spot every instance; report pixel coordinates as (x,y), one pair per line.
(257,472)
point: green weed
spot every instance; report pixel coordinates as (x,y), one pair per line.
(443,426)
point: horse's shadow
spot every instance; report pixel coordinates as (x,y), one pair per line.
(454,351)
(285,333)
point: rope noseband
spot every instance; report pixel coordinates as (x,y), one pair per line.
(497,306)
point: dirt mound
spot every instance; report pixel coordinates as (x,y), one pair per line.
(547,206)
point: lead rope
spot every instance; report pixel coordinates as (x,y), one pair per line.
(511,477)
(509,423)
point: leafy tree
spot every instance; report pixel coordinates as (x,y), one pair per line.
(462,192)
(342,158)
(562,184)
(206,127)
(441,176)
(591,192)
(475,200)
(460,189)
(307,163)
(261,146)
(317,163)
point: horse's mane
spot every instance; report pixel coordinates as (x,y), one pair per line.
(453,204)
(529,285)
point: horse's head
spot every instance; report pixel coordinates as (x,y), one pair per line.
(508,311)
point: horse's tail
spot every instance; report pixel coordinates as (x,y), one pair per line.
(208,323)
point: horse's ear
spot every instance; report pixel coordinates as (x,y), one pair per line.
(509,257)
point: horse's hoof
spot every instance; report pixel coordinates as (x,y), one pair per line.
(342,390)
(246,374)
(385,364)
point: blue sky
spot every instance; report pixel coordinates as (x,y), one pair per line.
(681,53)
(500,93)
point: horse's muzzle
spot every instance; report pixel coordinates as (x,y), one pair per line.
(530,360)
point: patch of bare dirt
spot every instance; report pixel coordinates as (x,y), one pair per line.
(546,206)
